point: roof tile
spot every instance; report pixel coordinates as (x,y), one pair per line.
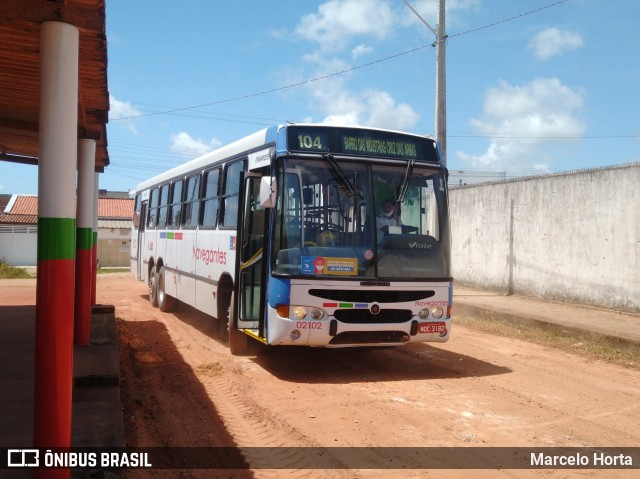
(25,209)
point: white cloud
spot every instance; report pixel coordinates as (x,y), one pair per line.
(553,42)
(383,111)
(525,122)
(188,147)
(121,109)
(360,50)
(337,21)
(376,108)
(339,105)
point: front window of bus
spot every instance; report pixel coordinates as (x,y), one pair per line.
(333,220)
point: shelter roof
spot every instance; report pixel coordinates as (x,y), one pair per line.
(20,74)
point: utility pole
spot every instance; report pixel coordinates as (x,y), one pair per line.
(441,76)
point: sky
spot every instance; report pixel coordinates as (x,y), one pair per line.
(533,86)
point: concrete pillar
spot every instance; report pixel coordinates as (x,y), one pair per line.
(59,44)
(84,241)
(94,275)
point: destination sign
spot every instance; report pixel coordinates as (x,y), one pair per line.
(360,142)
(379,147)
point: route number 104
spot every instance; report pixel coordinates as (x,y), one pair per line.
(309,142)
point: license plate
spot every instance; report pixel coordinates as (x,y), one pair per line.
(433,328)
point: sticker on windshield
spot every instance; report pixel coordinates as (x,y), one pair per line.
(327,265)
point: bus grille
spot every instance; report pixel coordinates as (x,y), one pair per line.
(370,337)
(371,296)
(364,316)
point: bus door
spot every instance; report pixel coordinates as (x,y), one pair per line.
(143,222)
(250,284)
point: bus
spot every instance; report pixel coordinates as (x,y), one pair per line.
(279,237)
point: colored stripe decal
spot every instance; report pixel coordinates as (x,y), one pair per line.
(95,239)
(84,238)
(56,238)
(346,305)
(170,235)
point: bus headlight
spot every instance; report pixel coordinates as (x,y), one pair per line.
(423,313)
(436,312)
(298,313)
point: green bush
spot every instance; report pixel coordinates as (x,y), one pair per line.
(11,272)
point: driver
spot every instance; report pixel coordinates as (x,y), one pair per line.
(387,217)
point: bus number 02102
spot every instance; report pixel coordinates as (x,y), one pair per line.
(308,325)
(308,142)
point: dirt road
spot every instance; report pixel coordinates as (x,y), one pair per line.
(181,387)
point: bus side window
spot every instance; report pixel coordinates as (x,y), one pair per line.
(175,210)
(192,202)
(152,218)
(136,212)
(210,199)
(231,193)
(163,206)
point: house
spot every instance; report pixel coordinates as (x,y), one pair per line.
(19,228)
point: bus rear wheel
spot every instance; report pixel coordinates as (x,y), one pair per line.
(238,341)
(165,302)
(153,288)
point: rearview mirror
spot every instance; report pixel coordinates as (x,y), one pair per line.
(268,189)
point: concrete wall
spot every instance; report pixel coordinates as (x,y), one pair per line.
(570,237)
(19,245)
(114,247)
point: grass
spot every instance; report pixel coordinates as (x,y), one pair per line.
(113,270)
(12,272)
(608,349)
(210,369)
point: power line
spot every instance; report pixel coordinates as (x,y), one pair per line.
(515,17)
(330,75)
(550,136)
(273,90)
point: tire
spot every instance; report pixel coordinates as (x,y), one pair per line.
(153,288)
(165,302)
(223,328)
(238,341)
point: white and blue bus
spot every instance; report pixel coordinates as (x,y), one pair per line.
(301,234)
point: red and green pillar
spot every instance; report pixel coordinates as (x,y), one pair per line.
(58,124)
(94,238)
(84,241)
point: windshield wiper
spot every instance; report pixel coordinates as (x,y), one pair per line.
(339,175)
(404,186)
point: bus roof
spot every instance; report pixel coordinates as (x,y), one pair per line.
(255,140)
(247,144)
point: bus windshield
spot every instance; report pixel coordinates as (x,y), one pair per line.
(361,219)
